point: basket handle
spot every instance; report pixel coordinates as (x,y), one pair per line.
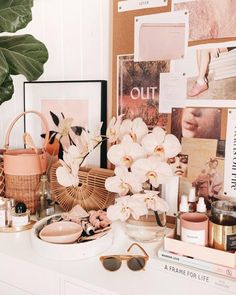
(18,117)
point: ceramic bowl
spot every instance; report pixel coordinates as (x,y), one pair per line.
(62,232)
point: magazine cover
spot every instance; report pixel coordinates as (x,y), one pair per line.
(138,90)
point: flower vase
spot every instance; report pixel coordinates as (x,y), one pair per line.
(146,228)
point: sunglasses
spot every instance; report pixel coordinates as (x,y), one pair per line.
(134,262)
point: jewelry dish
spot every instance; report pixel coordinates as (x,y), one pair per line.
(62,232)
(64,251)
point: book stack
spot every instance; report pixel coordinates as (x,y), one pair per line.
(224,277)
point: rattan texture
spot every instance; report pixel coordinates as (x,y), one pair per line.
(2,180)
(22,188)
(90,194)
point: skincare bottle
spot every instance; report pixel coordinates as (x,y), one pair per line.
(183,208)
(3,213)
(20,215)
(201,206)
(192,200)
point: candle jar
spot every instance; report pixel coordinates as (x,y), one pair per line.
(222,226)
(194,228)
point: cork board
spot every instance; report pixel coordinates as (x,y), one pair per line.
(123,38)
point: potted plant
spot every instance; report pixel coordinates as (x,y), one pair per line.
(19,54)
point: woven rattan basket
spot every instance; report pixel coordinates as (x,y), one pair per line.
(2,179)
(90,194)
(24,167)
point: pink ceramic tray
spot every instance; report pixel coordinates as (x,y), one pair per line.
(199,252)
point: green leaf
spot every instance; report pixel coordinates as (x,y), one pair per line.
(6,89)
(24,54)
(4,69)
(15,14)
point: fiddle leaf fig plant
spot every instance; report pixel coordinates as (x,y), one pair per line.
(19,54)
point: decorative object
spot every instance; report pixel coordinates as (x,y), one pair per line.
(140,157)
(62,232)
(23,167)
(194,228)
(199,252)
(20,54)
(2,179)
(73,251)
(68,105)
(73,182)
(222,225)
(90,194)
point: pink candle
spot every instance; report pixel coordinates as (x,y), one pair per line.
(194,228)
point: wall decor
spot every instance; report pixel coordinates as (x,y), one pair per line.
(79,104)
(138,90)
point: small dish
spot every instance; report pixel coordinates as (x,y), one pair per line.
(62,232)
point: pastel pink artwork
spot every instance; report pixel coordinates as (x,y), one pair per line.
(71,108)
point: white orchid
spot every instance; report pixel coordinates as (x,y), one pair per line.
(161,144)
(136,129)
(64,126)
(74,156)
(125,153)
(113,129)
(140,158)
(126,207)
(67,174)
(153,201)
(123,182)
(152,169)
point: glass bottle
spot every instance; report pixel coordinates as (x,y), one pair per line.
(46,205)
(192,200)
(183,208)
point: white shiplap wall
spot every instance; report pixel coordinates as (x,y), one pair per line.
(76,33)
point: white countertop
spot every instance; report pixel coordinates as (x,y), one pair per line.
(155,279)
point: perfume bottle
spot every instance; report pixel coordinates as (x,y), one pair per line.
(201,206)
(192,199)
(183,208)
(46,205)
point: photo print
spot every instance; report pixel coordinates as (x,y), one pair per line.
(179,165)
(205,169)
(198,123)
(211,19)
(138,90)
(211,72)
(202,132)
(162,36)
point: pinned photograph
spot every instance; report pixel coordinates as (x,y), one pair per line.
(161,36)
(212,73)
(211,19)
(196,123)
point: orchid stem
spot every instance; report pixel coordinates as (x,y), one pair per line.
(158,220)
(100,142)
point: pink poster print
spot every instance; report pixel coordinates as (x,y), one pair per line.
(75,109)
(138,90)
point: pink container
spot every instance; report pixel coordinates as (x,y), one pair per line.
(194,228)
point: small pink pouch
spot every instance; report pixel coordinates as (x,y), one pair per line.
(194,228)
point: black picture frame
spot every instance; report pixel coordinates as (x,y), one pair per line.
(69,97)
